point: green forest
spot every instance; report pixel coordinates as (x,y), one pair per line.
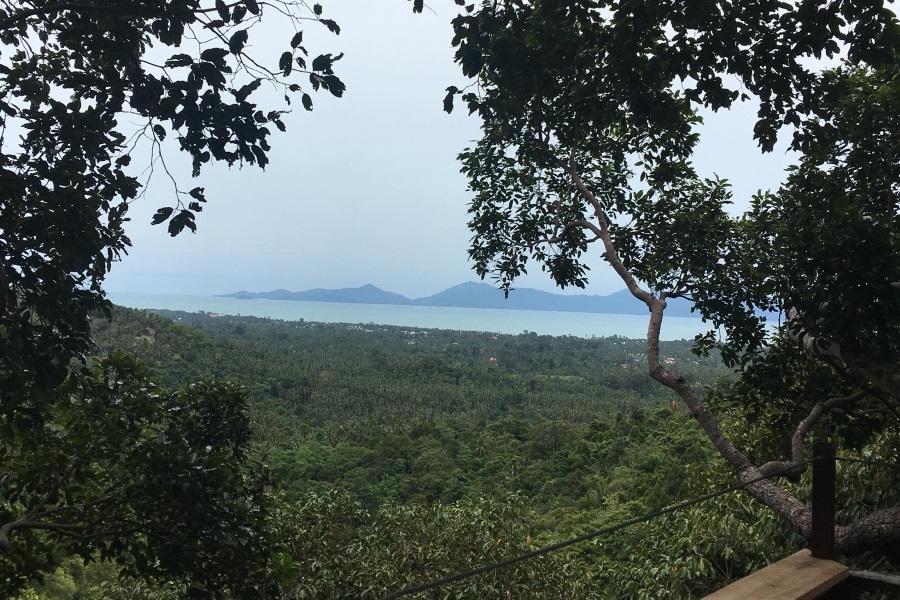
(174,456)
(400,455)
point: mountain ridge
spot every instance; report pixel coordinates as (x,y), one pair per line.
(477,295)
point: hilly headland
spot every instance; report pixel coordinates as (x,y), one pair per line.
(478,295)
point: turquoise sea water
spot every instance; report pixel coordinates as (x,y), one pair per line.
(437,317)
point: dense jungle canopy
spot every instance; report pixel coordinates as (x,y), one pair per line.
(590,114)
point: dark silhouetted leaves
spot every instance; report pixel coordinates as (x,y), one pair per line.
(222,9)
(161,215)
(180,60)
(324,62)
(307,102)
(285,63)
(214,55)
(331,25)
(448,99)
(177,224)
(237,41)
(243,93)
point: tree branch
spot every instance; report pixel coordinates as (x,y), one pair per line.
(811,344)
(881,529)
(799,438)
(766,492)
(561,233)
(611,254)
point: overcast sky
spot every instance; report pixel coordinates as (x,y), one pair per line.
(365,188)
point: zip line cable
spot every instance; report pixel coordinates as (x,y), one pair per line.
(583,538)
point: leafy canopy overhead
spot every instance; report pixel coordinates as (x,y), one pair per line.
(100,460)
(590,120)
(80,96)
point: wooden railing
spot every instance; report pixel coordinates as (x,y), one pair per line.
(812,573)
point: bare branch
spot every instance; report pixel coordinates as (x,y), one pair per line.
(611,254)
(798,440)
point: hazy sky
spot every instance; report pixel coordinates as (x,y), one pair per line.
(365,188)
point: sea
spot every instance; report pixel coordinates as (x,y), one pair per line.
(585,325)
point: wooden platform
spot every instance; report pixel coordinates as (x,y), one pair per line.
(797,577)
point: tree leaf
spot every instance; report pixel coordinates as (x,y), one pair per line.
(307,102)
(322,63)
(297,39)
(261,159)
(214,55)
(252,6)
(161,215)
(332,26)
(285,63)
(334,85)
(180,60)
(237,41)
(184,218)
(245,91)
(448,99)
(222,9)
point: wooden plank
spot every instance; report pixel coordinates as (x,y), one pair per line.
(800,576)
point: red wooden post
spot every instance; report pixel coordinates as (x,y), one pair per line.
(823,486)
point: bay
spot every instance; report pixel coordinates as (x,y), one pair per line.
(584,325)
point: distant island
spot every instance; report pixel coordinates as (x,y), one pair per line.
(478,295)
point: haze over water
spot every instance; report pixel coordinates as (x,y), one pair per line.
(436,317)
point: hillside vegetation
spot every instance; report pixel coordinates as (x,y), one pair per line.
(403,455)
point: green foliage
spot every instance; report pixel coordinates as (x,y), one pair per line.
(698,550)
(590,117)
(409,481)
(695,551)
(314,373)
(82,92)
(577,468)
(589,122)
(160,482)
(66,184)
(76,580)
(569,423)
(339,551)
